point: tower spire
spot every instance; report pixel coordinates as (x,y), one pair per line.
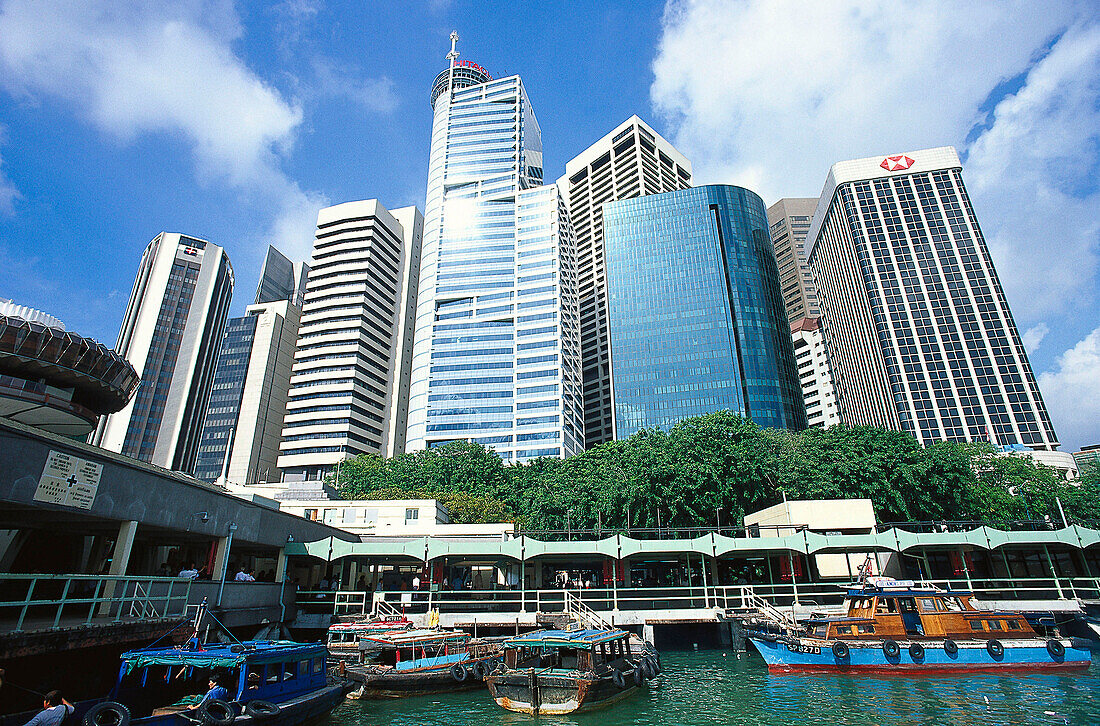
(453,55)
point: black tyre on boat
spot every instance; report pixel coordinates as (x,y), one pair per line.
(107,713)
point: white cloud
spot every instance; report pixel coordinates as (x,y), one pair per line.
(1034,335)
(1072,393)
(154,67)
(372,94)
(770,93)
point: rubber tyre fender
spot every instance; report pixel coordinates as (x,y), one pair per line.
(916,651)
(618,678)
(1056,649)
(261,710)
(649,669)
(841,650)
(891,649)
(481,670)
(460,672)
(950,647)
(107,713)
(656,664)
(995,648)
(236,648)
(639,677)
(216,712)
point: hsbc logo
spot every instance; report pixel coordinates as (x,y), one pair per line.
(896,163)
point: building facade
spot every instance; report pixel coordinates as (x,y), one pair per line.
(919,332)
(695,315)
(631,161)
(347,359)
(496,351)
(174,322)
(789,222)
(814,373)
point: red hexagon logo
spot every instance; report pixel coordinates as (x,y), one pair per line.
(896,163)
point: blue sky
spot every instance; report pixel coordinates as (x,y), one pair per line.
(235,122)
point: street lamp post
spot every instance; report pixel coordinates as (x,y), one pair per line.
(569,524)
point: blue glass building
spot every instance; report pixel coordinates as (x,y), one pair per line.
(695,312)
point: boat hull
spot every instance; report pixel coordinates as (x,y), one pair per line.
(786,655)
(389,683)
(553,693)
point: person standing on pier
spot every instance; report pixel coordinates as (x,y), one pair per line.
(55,709)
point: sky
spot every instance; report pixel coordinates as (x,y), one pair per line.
(236,122)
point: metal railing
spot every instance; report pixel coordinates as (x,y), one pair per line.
(598,601)
(658,533)
(48,602)
(1018,525)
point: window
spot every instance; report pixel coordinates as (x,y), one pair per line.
(995,625)
(310,514)
(318,664)
(1013,624)
(976,625)
(412,514)
(867,629)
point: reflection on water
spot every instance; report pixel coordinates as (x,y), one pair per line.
(715,688)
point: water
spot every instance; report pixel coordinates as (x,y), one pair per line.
(714,688)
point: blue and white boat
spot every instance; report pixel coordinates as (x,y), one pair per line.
(895,625)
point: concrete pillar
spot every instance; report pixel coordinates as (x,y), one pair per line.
(120,560)
(280,565)
(647,633)
(220,559)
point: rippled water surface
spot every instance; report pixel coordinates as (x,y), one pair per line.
(715,688)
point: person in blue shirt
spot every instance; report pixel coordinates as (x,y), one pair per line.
(216,691)
(55,709)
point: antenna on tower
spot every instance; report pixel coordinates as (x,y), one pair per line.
(453,55)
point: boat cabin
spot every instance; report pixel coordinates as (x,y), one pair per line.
(347,635)
(572,650)
(414,649)
(900,609)
(158,680)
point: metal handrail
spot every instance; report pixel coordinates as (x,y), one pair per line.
(93,597)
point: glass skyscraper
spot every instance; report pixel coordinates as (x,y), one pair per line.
(496,346)
(695,311)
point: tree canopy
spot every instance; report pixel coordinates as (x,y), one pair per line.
(720,466)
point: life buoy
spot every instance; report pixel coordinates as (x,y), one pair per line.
(1056,649)
(261,710)
(459,672)
(950,647)
(216,712)
(107,713)
(481,670)
(916,651)
(618,678)
(995,648)
(891,648)
(841,650)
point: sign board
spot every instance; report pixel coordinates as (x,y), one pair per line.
(68,480)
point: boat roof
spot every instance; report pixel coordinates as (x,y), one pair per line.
(409,637)
(585,639)
(223,655)
(371,624)
(904,592)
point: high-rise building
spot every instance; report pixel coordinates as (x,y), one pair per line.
(919,333)
(789,221)
(171,332)
(244,420)
(695,314)
(814,373)
(347,364)
(631,161)
(496,352)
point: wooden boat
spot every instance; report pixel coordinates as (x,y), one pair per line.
(894,625)
(344,638)
(563,671)
(276,683)
(419,662)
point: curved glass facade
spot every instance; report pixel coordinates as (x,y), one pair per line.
(695,311)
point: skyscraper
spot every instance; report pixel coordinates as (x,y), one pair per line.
(173,325)
(919,332)
(496,357)
(631,161)
(347,362)
(789,221)
(695,314)
(244,420)
(814,373)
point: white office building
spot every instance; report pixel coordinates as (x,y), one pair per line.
(496,350)
(789,222)
(814,373)
(919,332)
(348,364)
(170,334)
(631,161)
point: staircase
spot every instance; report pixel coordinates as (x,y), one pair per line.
(758,614)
